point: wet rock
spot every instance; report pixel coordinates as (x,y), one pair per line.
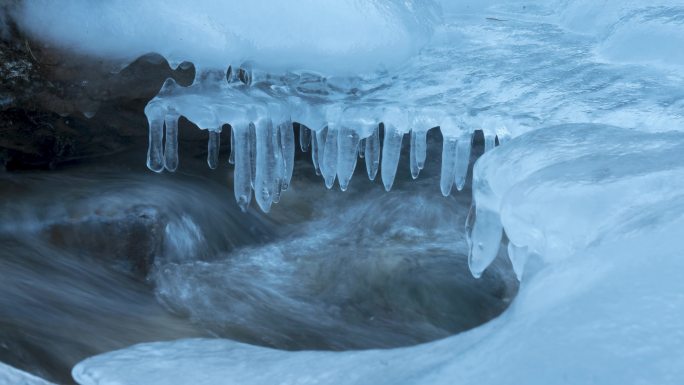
(128,240)
(58,107)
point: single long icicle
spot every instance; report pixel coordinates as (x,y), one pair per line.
(171,142)
(287,143)
(320,137)
(329,164)
(231,158)
(448,172)
(279,164)
(347,155)
(266,164)
(418,152)
(155,152)
(391,150)
(243,169)
(372,155)
(213,148)
(315,148)
(252,145)
(421,148)
(465,144)
(413,163)
(304,138)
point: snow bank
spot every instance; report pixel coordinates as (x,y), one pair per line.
(330,36)
(602,303)
(562,189)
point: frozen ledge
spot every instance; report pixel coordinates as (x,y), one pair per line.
(261,108)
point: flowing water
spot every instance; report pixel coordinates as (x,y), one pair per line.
(99,257)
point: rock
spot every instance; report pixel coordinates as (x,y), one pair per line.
(129,240)
(58,107)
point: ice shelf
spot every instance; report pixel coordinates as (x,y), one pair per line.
(260,110)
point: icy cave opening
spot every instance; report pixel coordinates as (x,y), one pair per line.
(372,269)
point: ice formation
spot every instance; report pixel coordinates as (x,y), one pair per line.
(341,116)
(260,109)
(366,77)
(596,210)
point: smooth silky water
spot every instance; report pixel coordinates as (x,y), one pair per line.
(103,256)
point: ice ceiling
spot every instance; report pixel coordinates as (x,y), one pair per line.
(588,191)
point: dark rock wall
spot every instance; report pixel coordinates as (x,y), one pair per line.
(59,106)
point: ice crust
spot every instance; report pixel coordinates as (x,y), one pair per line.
(595,210)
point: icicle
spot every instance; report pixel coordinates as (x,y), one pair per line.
(171,142)
(391,150)
(304,138)
(266,164)
(347,154)
(518,257)
(484,238)
(421,148)
(243,169)
(422,120)
(465,144)
(329,163)
(449,149)
(288,152)
(372,155)
(317,147)
(252,154)
(321,139)
(231,159)
(213,148)
(418,151)
(489,141)
(413,162)
(155,154)
(279,171)
(362,148)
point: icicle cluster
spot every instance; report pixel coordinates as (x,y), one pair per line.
(261,109)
